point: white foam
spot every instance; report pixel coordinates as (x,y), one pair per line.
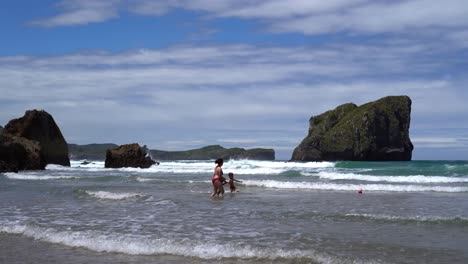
(90,164)
(141,179)
(352,187)
(114,196)
(417,218)
(248,167)
(32,176)
(400,179)
(141,245)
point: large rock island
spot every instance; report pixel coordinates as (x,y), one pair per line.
(214,152)
(31,142)
(376,131)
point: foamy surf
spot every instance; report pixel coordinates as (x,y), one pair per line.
(35,177)
(246,167)
(417,219)
(143,245)
(352,187)
(396,179)
(114,195)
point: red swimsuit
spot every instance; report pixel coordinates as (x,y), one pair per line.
(214,179)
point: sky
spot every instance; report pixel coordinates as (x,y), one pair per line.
(183,74)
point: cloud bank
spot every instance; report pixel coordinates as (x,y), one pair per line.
(185,96)
(293,16)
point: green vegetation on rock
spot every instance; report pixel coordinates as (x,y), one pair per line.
(376,131)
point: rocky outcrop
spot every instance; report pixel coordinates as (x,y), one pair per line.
(214,152)
(17,153)
(40,126)
(376,131)
(130,155)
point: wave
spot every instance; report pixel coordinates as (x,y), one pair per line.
(412,219)
(130,244)
(98,167)
(400,179)
(206,166)
(352,187)
(90,164)
(114,196)
(32,176)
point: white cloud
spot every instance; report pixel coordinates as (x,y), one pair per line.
(307,17)
(302,16)
(79,12)
(381,17)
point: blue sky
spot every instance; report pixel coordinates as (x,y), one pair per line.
(178,74)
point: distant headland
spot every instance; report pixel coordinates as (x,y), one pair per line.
(98,152)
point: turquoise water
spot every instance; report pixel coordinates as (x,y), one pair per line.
(285,212)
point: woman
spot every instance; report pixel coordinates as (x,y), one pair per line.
(218,179)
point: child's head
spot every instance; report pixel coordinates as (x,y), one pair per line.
(231,175)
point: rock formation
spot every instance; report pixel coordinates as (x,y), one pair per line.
(38,125)
(376,131)
(17,153)
(130,155)
(214,152)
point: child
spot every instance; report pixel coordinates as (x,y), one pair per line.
(231,182)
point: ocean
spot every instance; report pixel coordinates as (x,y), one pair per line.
(284,212)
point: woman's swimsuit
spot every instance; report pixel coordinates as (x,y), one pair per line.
(214,179)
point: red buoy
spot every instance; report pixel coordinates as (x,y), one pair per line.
(360,191)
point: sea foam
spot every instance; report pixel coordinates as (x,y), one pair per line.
(417,219)
(141,245)
(352,187)
(114,196)
(247,167)
(397,179)
(33,176)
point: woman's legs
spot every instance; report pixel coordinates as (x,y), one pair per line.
(215,189)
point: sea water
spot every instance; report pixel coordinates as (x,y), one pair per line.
(284,212)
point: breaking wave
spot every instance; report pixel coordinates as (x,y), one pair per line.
(397,179)
(33,176)
(411,219)
(113,195)
(246,167)
(141,245)
(352,187)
